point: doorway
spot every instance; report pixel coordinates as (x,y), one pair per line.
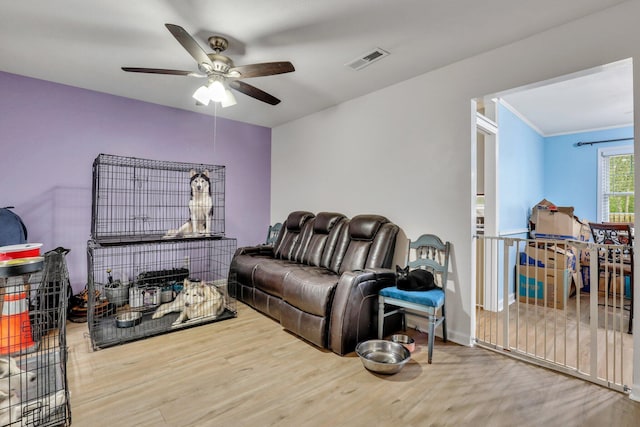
(514,173)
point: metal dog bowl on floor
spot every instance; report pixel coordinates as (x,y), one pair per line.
(405,340)
(128,319)
(382,357)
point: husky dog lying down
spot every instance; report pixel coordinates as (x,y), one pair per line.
(14,412)
(197,299)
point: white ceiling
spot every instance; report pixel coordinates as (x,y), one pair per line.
(592,99)
(84,43)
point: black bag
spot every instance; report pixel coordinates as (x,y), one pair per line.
(12,229)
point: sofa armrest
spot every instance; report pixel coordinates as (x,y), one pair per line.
(264,250)
(354,302)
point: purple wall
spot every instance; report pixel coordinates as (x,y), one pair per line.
(51,133)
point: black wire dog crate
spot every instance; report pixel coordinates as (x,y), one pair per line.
(33,353)
(145,289)
(145,200)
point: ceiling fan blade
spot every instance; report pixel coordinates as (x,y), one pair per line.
(189,44)
(253,92)
(265,69)
(162,71)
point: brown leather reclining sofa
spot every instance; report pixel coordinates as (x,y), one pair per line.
(321,277)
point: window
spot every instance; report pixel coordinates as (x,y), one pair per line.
(616,184)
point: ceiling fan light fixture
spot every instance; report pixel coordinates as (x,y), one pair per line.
(202,95)
(228,100)
(217,91)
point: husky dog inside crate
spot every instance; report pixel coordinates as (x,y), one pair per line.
(200,207)
(196,300)
(13,411)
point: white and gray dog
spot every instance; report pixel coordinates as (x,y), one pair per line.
(196,300)
(200,207)
(14,412)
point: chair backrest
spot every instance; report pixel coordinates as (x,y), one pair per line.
(430,253)
(273,232)
(610,233)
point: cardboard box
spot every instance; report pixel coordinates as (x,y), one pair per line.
(559,225)
(557,222)
(544,286)
(551,256)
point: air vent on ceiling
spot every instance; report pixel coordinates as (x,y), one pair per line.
(367,58)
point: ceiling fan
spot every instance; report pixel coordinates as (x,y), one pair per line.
(220,71)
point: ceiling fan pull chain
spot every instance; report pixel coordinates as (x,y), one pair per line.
(215,127)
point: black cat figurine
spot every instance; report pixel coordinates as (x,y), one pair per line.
(414,280)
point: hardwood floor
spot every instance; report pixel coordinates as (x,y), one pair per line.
(248,371)
(564,337)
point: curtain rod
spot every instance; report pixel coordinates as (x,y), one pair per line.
(581,143)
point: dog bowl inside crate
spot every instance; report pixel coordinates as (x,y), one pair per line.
(383,357)
(166,294)
(405,340)
(117,293)
(128,319)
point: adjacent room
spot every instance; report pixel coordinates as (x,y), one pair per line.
(570,140)
(318,213)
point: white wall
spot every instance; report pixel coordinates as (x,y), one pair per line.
(405,151)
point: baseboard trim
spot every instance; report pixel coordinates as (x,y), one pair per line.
(422,325)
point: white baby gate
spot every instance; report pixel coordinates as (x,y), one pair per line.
(544,301)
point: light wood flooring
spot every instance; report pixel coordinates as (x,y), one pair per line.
(564,337)
(247,371)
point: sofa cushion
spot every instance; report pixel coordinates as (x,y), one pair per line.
(316,246)
(288,244)
(332,243)
(310,289)
(325,221)
(383,247)
(355,256)
(243,266)
(365,227)
(303,241)
(269,276)
(432,298)
(362,230)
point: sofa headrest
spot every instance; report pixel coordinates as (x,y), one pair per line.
(365,227)
(296,220)
(325,221)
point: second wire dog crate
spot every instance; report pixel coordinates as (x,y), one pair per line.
(141,199)
(128,284)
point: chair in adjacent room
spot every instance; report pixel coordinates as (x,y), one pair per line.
(615,261)
(430,253)
(273,232)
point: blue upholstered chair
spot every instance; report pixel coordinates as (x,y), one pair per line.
(273,232)
(431,254)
